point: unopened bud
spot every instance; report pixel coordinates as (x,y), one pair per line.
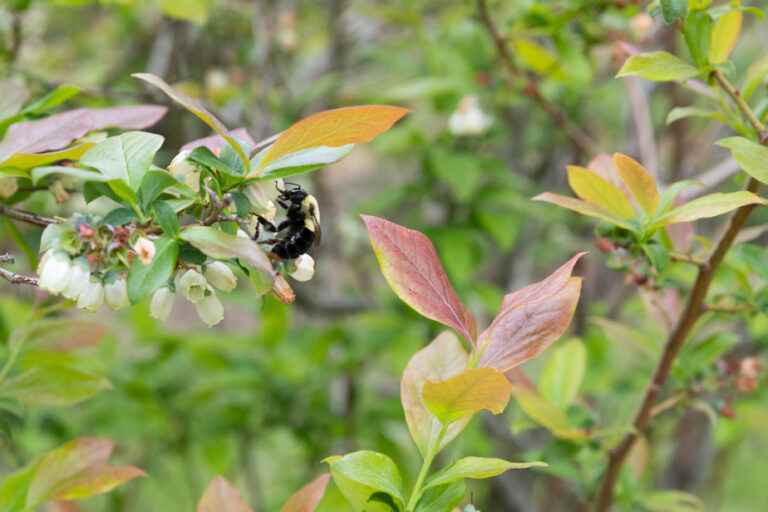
(79,277)
(162,303)
(221,276)
(54,271)
(210,310)
(92,296)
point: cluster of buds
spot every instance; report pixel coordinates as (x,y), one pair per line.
(742,374)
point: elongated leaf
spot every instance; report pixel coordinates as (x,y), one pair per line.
(592,188)
(96,480)
(710,205)
(359,475)
(126,157)
(672,501)
(477,468)
(221,496)
(413,270)
(678,113)
(463,395)
(562,375)
(697,30)
(145,279)
(152,185)
(657,66)
(73,172)
(442,498)
(639,182)
(308,497)
(166,217)
(725,35)
(303,161)
(440,360)
(751,156)
(53,385)
(217,244)
(582,207)
(543,412)
(531,320)
(334,128)
(30,160)
(216,144)
(198,110)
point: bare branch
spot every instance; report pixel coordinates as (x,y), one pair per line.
(13,277)
(28,217)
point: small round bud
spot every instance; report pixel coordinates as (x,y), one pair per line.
(162,303)
(92,296)
(54,271)
(116,294)
(220,276)
(305,268)
(192,286)
(210,310)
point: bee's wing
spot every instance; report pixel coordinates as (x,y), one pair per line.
(318,231)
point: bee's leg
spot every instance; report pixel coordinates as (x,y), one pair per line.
(283,204)
(283,225)
(268,225)
(271,241)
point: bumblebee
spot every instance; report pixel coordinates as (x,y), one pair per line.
(300,232)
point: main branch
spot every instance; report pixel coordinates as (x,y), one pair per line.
(693,310)
(28,217)
(576,135)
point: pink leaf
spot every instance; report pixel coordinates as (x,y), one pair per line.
(221,496)
(216,143)
(413,270)
(308,497)
(531,319)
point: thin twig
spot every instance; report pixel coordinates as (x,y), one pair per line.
(687,258)
(28,217)
(693,311)
(575,134)
(13,277)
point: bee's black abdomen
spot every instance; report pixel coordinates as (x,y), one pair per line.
(296,244)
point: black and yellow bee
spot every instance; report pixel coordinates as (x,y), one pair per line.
(300,232)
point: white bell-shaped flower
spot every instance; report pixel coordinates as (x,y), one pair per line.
(116,294)
(192,286)
(54,270)
(210,309)
(79,277)
(220,276)
(92,296)
(162,303)
(305,268)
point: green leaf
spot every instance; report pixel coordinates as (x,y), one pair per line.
(751,156)
(657,66)
(673,10)
(26,161)
(126,157)
(197,109)
(442,498)
(119,217)
(242,203)
(756,74)
(697,32)
(584,208)
(195,11)
(707,206)
(204,156)
(219,245)
(359,475)
(563,373)
(672,501)
(73,172)
(477,468)
(14,488)
(152,185)
(52,100)
(678,113)
(166,216)
(145,279)
(53,385)
(543,412)
(301,162)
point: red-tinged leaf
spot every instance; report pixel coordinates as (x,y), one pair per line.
(131,117)
(440,360)
(96,480)
(334,128)
(413,270)
(531,319)
(582,207)
(308,497)
(221,496)
(216,143)
(469,392)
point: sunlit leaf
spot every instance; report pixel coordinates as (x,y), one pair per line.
(725,35)
(639,182)
(73,172)
(195,11)
(672,501)
(563,373)
(308,497)
(582,207)
(710,205)
(30,160)
(657,66)
(303,161)
(334,128)
(221,496)
(443,358)
(546,414)
(360,475)
(751,156)
(126,157)
(535,57)
(477,468)
(413,270)
(468,392)
(594,189)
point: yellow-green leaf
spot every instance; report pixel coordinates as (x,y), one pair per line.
(725,35)
(657,66)
(710,205)
(471,391)
(563,373)
(334,128)
(543,412)
(535,57)
(30,160)
(582,207)
(592,188)
(751,156)
(477,468)
(639,182)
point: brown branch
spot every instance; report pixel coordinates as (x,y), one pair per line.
(28,217)
(13,277)
(575,134)
(693,311)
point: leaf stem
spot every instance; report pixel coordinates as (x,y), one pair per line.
(429,457)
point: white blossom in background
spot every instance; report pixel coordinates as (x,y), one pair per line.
(145,250)
(116,294)
(210,310)
(468,118)
(55,271)
(92,296)
(162,303)
(192,286)
(79,277)
(220,276)
(305,268)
